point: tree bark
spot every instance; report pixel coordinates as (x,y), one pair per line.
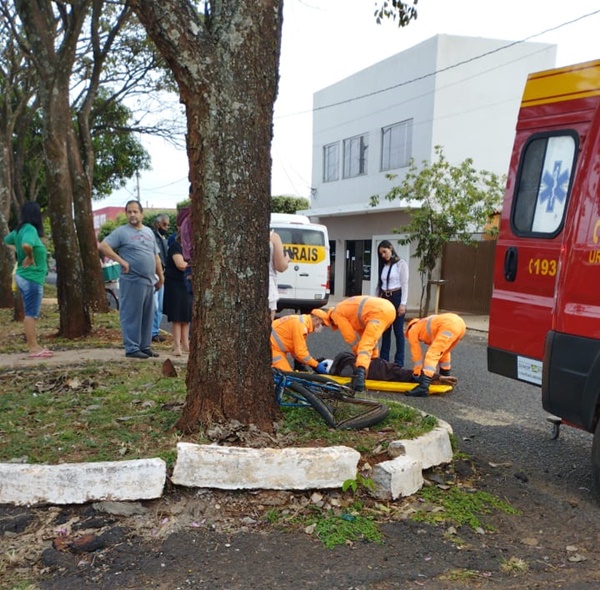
(225,64)
(93,283)
(7,259)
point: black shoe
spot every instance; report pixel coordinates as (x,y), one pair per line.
(421,390)
(138,354)
(149,352)
(417,392)
(158,338)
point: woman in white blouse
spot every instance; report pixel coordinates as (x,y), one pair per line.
(393,286)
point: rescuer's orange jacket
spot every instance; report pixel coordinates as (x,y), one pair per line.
(288,335)
(442,333)
(361,321)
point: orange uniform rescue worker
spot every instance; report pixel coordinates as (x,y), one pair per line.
(288,335)
(442,333)
(361,321)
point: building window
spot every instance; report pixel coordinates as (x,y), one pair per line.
(355,156)
(396,145)
(331,162)
(544,184)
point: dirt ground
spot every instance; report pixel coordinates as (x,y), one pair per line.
(213,539)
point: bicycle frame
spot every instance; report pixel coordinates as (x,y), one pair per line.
(282,380)
(329,399)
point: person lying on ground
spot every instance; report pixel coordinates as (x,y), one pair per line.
(343,365)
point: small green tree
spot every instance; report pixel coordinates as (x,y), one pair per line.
(111,224)
(448,203)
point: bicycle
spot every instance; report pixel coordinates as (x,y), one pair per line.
(112,294)
(335,403)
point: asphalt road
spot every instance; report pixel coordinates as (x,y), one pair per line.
(498,419)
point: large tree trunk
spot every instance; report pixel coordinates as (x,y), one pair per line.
(226,68)
(75,320)
(93,283)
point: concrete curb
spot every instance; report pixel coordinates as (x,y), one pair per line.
(213,466)
(77,483)
(233,468)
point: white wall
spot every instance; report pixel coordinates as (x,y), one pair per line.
(379,108)
(477,103)
(462,93)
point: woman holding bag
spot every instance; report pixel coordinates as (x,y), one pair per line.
(393,286)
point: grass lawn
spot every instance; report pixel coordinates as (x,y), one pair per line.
(109,411)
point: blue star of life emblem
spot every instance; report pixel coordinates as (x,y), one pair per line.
(554,186)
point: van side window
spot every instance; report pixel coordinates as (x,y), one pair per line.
(285,235)
(543,186)
(311,238)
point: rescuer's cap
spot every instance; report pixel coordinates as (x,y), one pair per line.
(323,315)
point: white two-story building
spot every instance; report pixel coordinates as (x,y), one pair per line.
(461,93)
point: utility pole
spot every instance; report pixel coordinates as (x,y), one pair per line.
(137,184)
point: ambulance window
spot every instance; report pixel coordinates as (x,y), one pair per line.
(543,185)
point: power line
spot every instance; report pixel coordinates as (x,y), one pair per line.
(456,65)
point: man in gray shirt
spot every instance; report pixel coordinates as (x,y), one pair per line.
(134,247)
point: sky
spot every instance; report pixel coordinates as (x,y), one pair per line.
(324,41)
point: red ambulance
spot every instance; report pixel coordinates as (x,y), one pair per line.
(545,311)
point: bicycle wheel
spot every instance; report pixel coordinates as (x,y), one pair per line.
(113,300)
(349,412)
(355,413)
(314,401)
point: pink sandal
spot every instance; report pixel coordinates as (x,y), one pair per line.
(42,354)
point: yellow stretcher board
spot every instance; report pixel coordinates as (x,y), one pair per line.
(393,386)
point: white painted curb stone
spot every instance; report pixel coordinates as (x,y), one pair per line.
(433,448)
(402,476)
(77,483)
(232,468)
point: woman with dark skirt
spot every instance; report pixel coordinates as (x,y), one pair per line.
(177,305)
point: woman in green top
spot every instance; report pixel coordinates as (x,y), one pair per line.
(32,268)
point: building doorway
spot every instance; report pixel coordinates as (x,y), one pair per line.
(332,267)
(358,266)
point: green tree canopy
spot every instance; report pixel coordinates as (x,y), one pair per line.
(284,204)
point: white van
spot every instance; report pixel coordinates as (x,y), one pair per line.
(304,286)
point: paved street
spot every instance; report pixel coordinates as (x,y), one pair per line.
(498,418)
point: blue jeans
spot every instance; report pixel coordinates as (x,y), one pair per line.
(398,328)
(31,294)
(159,297)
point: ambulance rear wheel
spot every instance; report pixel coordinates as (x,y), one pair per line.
(596,462)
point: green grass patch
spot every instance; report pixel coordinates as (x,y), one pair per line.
(460,506)
(403,422)
(112,411)
(339,527)
(106,331)
(97,412)
(333,530)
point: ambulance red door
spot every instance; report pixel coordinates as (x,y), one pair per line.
(528,250)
